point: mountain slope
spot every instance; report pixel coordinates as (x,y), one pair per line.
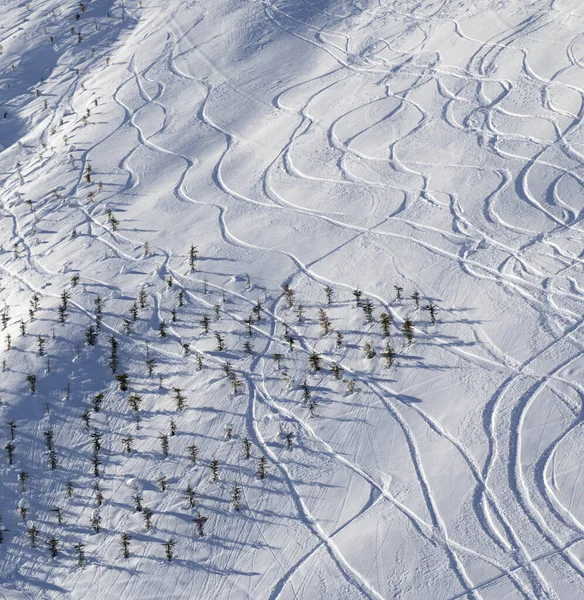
(193,195)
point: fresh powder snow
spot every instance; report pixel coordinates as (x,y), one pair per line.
(291,299)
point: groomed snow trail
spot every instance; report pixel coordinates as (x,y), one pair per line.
(389,147)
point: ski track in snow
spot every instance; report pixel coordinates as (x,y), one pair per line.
(403,144)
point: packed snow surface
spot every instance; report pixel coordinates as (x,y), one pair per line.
(191,194)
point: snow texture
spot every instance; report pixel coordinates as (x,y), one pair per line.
(396,147)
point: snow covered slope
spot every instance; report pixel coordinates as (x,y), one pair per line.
(305,277)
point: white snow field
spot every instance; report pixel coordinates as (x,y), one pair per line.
(244,167)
